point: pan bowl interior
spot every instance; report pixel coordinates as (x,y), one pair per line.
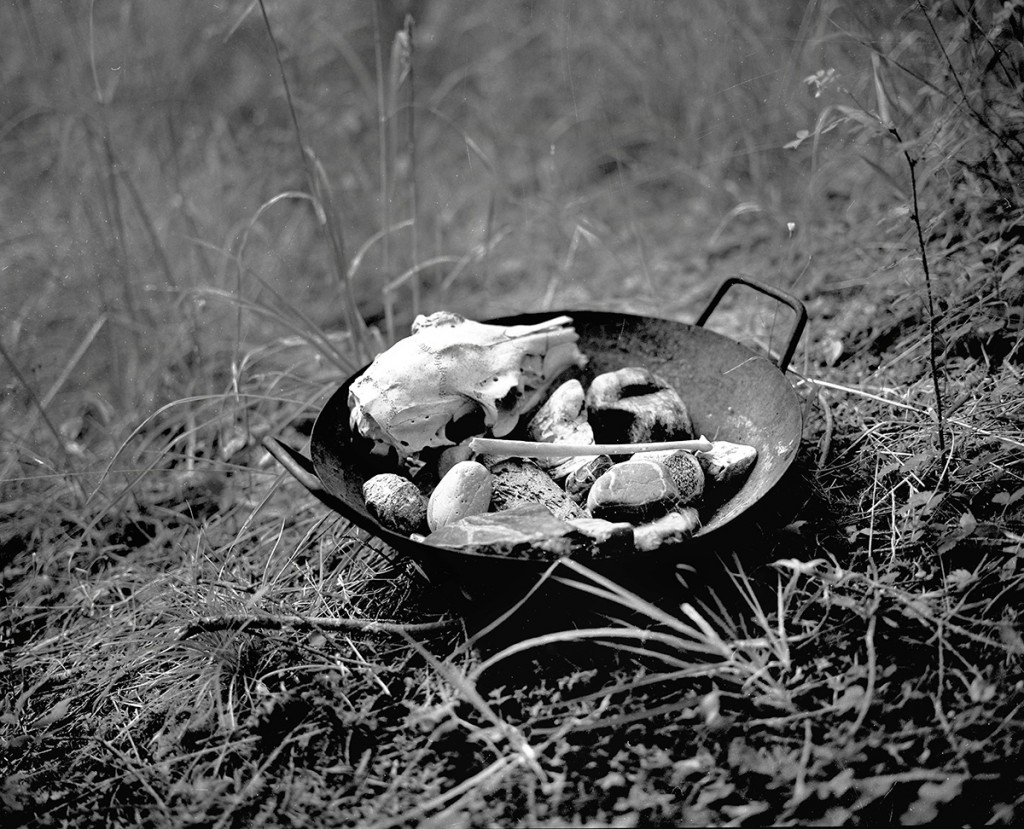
(732,393)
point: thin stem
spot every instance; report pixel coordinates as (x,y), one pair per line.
(327,216)
(382,147)
(932,332)
(413,195)
(206,624)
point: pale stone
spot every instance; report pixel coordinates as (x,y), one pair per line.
(673,528)
(636,490)
(726,461)
(451,456)
(465,490)
(609,537)
(562,419)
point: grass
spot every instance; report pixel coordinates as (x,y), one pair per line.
(207,217)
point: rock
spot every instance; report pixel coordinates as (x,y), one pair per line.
(685,470)
(396,502)
(672,528)
(633,405)
(727,461)
(451,456)
(527,531)
(609,537)
(635,490)
(562,419)
(579,482)
(465,490)
(516,482)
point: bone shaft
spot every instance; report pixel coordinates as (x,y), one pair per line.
(531,449)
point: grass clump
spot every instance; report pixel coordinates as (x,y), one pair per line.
(212,219)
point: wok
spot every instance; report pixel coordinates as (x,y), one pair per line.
(732,393)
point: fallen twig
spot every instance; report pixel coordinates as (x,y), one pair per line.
(207,624)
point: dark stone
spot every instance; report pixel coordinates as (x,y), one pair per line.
(635,490)
(396,502)
(633,405)
(685,470)
(516,482)
(578,484)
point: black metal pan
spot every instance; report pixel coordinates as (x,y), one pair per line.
(732,393)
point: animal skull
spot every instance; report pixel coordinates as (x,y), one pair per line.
(451,367)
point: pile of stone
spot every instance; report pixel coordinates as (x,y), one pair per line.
(600,502)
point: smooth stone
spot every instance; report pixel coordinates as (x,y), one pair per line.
(577,485)
(634,490)
(396,502)
(685,470)
(726,461)
(516,482)
(464,490)
(562,419)
(634,405)
(450,456)
(528,531)
(672,528)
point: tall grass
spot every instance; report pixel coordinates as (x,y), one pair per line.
(203,213)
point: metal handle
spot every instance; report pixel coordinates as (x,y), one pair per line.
(301,468)
(775,293)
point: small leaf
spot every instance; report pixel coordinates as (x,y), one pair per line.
(850,699)
(884,111)
(1008,498)
(981,690)
(1014,268)
(801,136)
(1011,639)
(960,578)
(58,712)
(866,119)
(833,349)
(929,797)
(612,780)
(710,705)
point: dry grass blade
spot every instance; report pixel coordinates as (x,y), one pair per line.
(329,219)
(38,406)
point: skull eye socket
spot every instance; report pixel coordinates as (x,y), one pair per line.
(508,402)
(466,426)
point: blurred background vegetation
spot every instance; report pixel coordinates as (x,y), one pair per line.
(225,208)
(562,153)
